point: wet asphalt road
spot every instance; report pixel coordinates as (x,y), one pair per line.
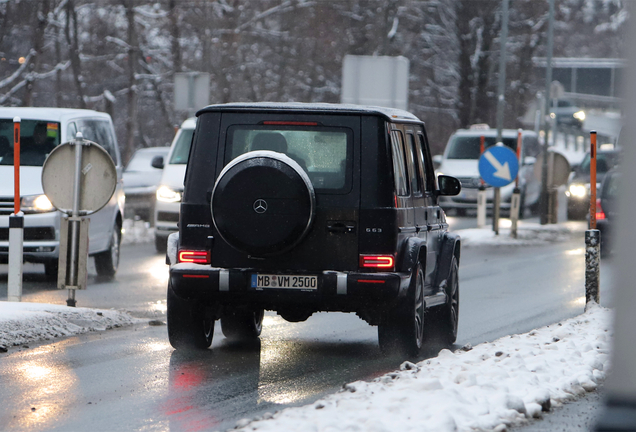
(131,379)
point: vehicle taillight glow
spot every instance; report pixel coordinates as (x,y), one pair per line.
(380,262)
(290,123)
(192,256)
(600,214)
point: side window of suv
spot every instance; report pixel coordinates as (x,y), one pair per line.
(399,163)
(414,165)
(430,179)
(99,131)
(421,164)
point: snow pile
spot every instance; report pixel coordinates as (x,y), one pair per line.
(137,231)
(488,387)
(527,234)
(22,323)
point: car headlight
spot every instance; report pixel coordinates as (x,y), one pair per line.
(166,194)
(577,190)
(36,204)
(579,115)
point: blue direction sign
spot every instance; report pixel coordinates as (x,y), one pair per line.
(498,166)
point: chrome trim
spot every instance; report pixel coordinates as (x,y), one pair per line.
(341,287)
(435,299)
(407,229)
(224,280)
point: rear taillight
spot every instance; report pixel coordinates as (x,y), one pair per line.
(600,214)
(378,262)
(194,256)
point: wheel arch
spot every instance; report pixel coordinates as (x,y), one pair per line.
(413,251)
(451,247)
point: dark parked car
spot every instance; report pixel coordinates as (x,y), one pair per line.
(607,209)
(300,208)
(140,182)
(578,191)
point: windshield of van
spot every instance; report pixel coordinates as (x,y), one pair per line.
(468,147)
(37,140)
(321,152)
(182,147)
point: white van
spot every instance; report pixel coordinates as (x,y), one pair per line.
(461,158)
(171,185)
(41,130)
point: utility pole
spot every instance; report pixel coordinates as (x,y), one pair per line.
(544,198)
(500,104)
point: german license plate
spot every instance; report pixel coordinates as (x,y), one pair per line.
(266,281)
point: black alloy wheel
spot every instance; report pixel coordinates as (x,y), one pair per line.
(190,323)
(404,331)
(442,321)
(242,325)
(107,262)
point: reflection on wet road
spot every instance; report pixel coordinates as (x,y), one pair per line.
(131,379)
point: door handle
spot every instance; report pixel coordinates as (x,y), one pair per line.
(340,227)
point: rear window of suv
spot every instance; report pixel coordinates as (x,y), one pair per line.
(324,153)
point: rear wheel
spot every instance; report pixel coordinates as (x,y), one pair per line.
(404,330)
(107,262)
(161,244)
(442,321)
(190,323)
(242,325)
(51,269)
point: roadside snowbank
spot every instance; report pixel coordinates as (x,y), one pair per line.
(528,233)
(137,231)
(489,387)
(22,323)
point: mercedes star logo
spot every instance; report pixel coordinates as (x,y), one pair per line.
(260,206)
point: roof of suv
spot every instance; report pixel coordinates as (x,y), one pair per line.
(392,114)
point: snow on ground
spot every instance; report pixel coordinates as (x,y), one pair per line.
(137,231)
(528,233)
(22,323)
(486,388)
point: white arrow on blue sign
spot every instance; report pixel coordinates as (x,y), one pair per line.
(498,166)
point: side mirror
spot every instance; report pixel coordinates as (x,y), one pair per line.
(529,160)
(437,161)
(448,186)
(157,162)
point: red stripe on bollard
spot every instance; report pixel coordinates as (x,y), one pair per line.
(593,180)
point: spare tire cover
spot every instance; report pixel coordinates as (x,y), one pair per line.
(263,203)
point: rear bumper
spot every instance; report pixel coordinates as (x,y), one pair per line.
(336,291)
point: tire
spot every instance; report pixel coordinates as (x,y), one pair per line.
(263,203)
(242,325)
(442,321)
(107,262)
(190,323)
(51,269)
(404,330)
(161,244)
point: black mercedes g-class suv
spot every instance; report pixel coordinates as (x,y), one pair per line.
(300,208)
